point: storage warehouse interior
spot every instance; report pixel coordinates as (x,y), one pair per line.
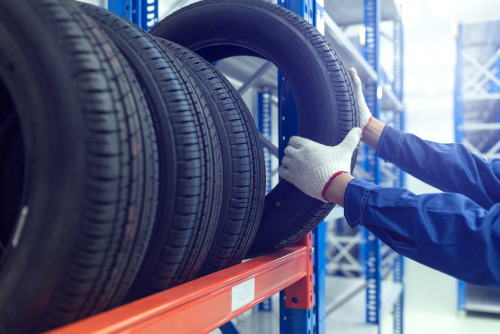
(174,197)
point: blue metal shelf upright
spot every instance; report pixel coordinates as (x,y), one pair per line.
(144,13)
(377,256)
(477,121)
(296,320)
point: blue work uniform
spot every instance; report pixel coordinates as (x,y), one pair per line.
(456,232)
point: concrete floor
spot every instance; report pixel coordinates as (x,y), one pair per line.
(431,299)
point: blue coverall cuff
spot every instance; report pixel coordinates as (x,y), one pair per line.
(390,144)
(355,197)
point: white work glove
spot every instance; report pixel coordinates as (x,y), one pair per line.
(366,115)
(311,167)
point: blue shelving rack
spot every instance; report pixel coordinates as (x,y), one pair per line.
(477,121)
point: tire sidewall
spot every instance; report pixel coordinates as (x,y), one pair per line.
(202,27)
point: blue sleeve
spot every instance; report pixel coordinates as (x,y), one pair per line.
(445,231)
(448,167)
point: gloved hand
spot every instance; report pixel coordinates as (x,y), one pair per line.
(366,115)
(311,167)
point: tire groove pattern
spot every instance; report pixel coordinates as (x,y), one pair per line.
(176,254)
(244,186)
(268,240)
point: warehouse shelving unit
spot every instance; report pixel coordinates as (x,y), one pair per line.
(347,305)
(477,121)
(211,301)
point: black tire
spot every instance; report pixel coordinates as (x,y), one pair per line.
(244,166)
(90,170)
(217,29)
(189,153)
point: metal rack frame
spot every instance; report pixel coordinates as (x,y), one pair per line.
(298,271)
(477,121)
(189,308)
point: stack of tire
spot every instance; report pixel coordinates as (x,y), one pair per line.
(130,165)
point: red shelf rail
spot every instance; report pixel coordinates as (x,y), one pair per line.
(205,304)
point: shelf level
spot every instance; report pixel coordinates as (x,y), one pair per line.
(189,308)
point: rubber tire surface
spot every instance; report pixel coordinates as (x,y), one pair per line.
(190,158)
(244,166)
(11,169)
(321,87)
(91,172)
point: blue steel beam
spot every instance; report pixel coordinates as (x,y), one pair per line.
(319,277)
(372,247)
(399,122)
(149,13)
(264,108)
(144,13)
(137,12)
(121,7)
(229,328)
(264,125)
(288,115)
(398,310)
(462,298)
(293,320)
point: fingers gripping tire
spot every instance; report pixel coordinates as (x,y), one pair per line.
(244,168)
(321,87)
(189,154)
(90,181)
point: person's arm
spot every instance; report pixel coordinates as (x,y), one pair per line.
(448,167)
(446,231)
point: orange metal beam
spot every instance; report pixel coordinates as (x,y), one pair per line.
(205,304)
(301,294)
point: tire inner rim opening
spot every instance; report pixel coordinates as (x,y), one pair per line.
(11,168)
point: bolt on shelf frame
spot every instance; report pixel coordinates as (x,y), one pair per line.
(477,119)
